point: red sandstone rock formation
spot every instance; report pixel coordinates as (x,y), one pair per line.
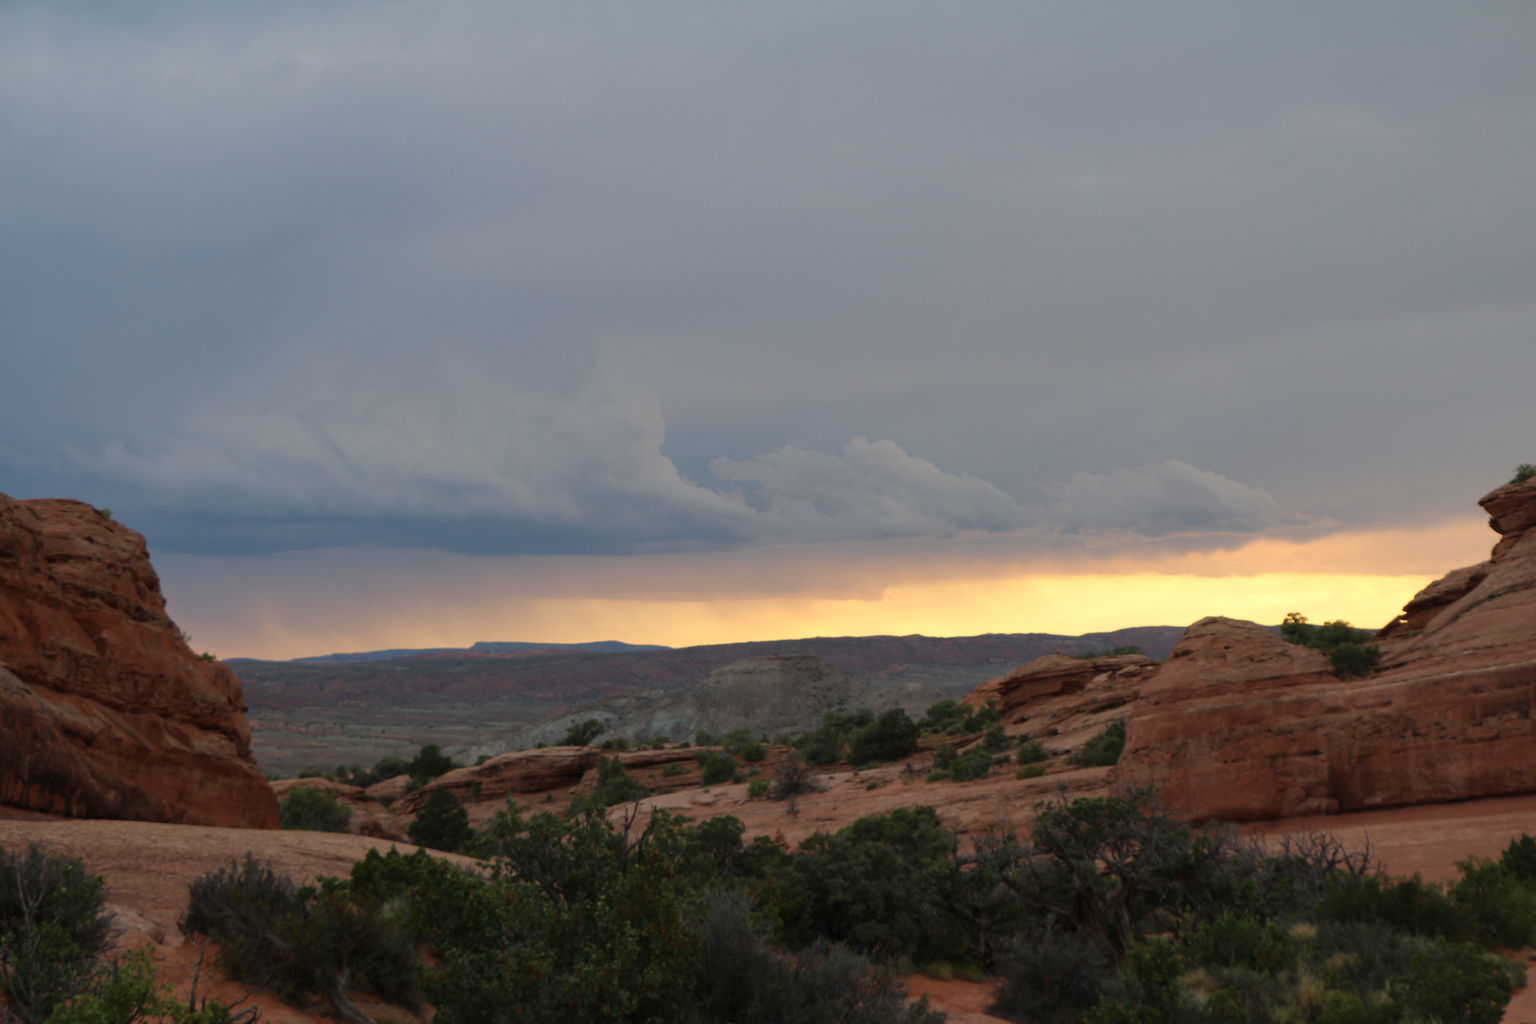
(1241,725)
(104,710)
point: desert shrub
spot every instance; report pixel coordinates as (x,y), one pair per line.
(129,992)
(1349,649)
(884,885)
(752,753)
(1519,858)
(1146,990)
(950,717)
(614,786)
(671,771)
(617,744)
(793,776)
(582,733)
(824,744)
(742,979)
(757,789)
(1499,909)
(1051,977)
(313,810)
(1029,771)
(1523,472)
(1103,749)
(53,930)
(974,763)
(995,739)
(1235,939)
(1031,752)
(1354,661)
(890,737)
(1409,905)
(717,768)
(428,764)
(1457,983)
(300,943)
(442,823)
(704,738)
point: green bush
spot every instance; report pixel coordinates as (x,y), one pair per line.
(752,753)
(1051,977)
(717,768)
(53,930)
(673,770)
(1523,472)
(313,810)
(1500,909)
(582,733)
(428,764)
(742,978)
(1456,983)
(951,718)
(975,763)
(614,786)
(300,943)
(1031,752)
(884,885)
(130,992)
(1519,858)
(1103,749)
(1029,771)
(442,823)
(890,737)
(757,789)
(1349,649)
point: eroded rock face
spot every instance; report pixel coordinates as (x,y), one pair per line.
(1240,725)
(522,771)
(1019,693)
(104,710)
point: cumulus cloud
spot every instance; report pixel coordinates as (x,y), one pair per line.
(1169,497)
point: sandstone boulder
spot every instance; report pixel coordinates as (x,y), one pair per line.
(1240,725)
(1018,693)
(105,712)
(522,771)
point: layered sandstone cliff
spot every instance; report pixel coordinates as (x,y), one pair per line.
(1240,725)
(104,710)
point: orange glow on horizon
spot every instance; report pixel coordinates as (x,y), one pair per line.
(305,607)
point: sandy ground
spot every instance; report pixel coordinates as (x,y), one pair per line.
(149,866)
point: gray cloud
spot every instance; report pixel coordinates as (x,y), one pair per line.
(526,276)
(1169,497)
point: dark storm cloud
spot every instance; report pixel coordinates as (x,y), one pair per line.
(611,277)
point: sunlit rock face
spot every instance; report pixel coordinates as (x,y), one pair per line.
(1240,725)
(105,712)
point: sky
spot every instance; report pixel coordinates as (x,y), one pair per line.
(401,324)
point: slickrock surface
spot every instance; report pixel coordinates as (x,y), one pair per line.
(1240,725)
(105,712)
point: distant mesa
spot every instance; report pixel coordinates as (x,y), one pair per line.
(105,712)
(480,647)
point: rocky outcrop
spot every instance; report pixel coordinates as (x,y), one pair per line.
(104,710)
(1019,692)
(1240,725)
